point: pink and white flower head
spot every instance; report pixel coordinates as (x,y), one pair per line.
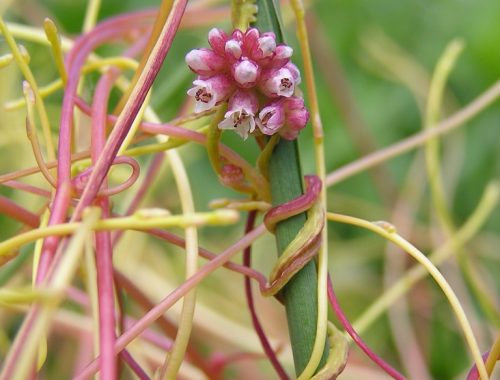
(245,67)
(286,116)
(240,116)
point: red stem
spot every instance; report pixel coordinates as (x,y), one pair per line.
(103,247)
(131,110)
(17,212)
(28,188)
(116,27)
(247,258)
(134,366)
(165,325)
(175,132)
(356,338)
(175,295)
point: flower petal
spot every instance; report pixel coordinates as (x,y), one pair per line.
(277,82)
(205,61)
(209,92)
(217,39)
(271,118)
(250,41)
(244,100)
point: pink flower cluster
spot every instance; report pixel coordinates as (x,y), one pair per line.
(255,76)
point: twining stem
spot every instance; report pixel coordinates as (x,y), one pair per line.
(465,114)
(175,295)
(91,14)
(247,260)
(434,176)
(103,246)
(28,75)
(133,105)
(141,220)
(319,152)
(487,204)
(494,356)
(31,133)
(55,42)
(388,232)
(160,20)
(175,357)
(346,324)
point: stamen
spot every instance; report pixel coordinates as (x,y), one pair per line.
(266,118)
(286,84)
(203,96)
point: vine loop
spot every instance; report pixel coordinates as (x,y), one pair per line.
(306,243)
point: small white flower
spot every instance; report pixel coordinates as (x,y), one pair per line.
(277,83)
(209,92)
(240,121)
(203,94)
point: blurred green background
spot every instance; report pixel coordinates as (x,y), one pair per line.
(350,40)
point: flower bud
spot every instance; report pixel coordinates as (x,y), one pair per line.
(281,57)
(204,61)
(217,40)
(245,73)
(297,117)
(271,118)
(233,49)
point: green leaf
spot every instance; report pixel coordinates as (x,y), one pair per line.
(300,294)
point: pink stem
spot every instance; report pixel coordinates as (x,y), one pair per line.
(131,110)
(174,296)
(356,338)
(295,206)
(17,347)
(180,242)
(134,366)
(247,257)
(80,181)
(17,212)
(28,188)
(474,373)
(145,185)
(103,248)
(111,29)
(176,132)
